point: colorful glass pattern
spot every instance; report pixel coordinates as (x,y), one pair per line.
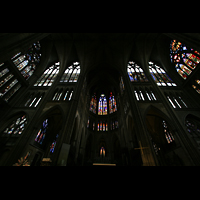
(102,106)
(184,58)
(93,104)
(17,126)
(112,104)
(136,73)
(42,132)
(160,76)
(72,73)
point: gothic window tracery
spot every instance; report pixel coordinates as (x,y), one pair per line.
(72,73)
(112,104)
(17,126)
(27,63)
(102,106)
(34,100)
(9,84)
(93,104)
(42,132)
(160,76)
(185,59)
(49,75)
(136,73)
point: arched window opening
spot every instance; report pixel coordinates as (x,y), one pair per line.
(160,76)
(102,126)
(168,135)
(185,59)
(102,152)
(93,104)
(144,95)
(102,106)
(49,75)
(53,145)
(9,85)
(112,104)
(17,126)
(42,132)
(70,96)
(57,95)
(72,73)
(27,63)
(136,73)
(176,102)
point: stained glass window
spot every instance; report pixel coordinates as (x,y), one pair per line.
(136,73)
(48,76)
(17,126)
(168,135)
(34,100)
(42,132)
(9,85)
(176,101)
(184,58)
(27,63)
(57,95)
(112,104)
(196,85)
(146,95)
(72,73)
(160,76)
(70,96)
(114,124)
(102,107)
(53,145)
(102,152)
(190,126)
(93,104)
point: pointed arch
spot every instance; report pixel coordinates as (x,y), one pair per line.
(136,73)
(160,76)
(72,73)
(163,137)
(49,75)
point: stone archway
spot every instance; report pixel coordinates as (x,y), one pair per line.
(163,139)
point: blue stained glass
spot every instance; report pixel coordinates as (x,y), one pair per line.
(42,132)
(53,145)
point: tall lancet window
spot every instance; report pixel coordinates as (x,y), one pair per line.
(27,63)
(102,152)
(136,73)
(160,76)
(112,104)
(72,73)
(42,132)
(102,108)
(185,59)
(93,104)
(49,75)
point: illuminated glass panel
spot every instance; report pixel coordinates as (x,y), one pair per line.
(168,135)
(93,104)
(17,126)
(42,132)
(160,76)
(48,76)
(136,73)
(185,59)
(102,107)
(72,73)
(27,63)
